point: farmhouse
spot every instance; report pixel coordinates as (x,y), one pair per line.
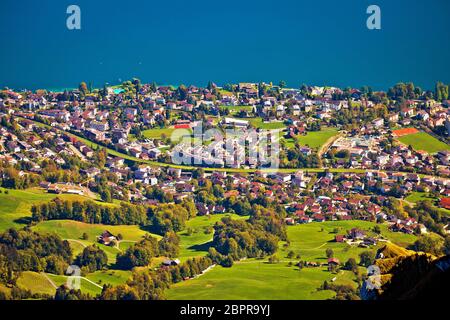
(170,262)
(333,263)
(106,238)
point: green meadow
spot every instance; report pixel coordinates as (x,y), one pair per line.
(311,240)
(419,196)
(40,283)
(313,139)
(424,141)
(15,205)
(237,109)
(255,280)
(157,133)
(112,277)
(260,124)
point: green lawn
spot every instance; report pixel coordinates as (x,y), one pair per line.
(157,133)
(237,108)
(419,196)
(198,243)
(73,230)
(258,123)
(15,207)
(254,280)
(424,141)
(112,277)
(314,139)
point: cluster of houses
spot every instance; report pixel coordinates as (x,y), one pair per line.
(110,118)
(367,152)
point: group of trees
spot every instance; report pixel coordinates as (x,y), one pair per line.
(10,178)
(168,217)
(25,250)
(293,158)
(91,259)
(433,218)
(139,254)
(90,212)
(432,244)
(257,237)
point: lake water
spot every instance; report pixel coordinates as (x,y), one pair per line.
(323,42)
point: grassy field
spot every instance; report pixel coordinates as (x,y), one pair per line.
(15,207)
(236,109)
(85,285)
(424,141)
(419,196)
(314,139)
(112,277)
(255,280)
(311,240)
(73,230)
(157,133)
(38,283)
(198,243)
(35,282)
(258,123)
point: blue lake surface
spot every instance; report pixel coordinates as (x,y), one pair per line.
(322,42)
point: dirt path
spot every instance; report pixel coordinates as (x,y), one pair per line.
(205,271)
(328,144)
(77,241)
(80,277)
(49,280)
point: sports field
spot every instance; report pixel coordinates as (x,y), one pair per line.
(404,132)
(424,141)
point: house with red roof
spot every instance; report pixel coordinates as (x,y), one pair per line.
(445,203)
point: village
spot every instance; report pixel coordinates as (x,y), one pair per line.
(360,168)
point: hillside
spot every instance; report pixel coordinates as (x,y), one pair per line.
(407,274)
